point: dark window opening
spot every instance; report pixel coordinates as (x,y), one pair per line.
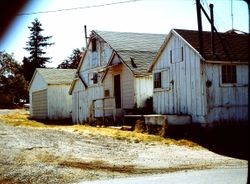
(182,54)
(171,61)
(157,80)
(93,42)
(95,78)
(106,93)
(117,91)
(228,74)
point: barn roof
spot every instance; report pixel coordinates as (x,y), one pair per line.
(137,50)
(57,76)
(228,46)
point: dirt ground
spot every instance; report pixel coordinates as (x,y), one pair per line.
(64,155)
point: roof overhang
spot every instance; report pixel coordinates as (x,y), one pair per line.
(164,45)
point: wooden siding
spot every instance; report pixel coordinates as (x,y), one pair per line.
(143,89)
(98,58)
(109,101)
(38,83)
(87,100)
(39,104)
(59,102)
(182,91)
(79,103)
(49,101)
(127,88)
(227,102)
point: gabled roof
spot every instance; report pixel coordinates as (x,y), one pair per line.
(132,41)
(231,47)
(137,50)
(55,76)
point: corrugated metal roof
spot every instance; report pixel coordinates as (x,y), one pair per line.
(57,76)
(141,47)
(232,46)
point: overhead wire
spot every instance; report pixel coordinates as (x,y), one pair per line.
(77,8)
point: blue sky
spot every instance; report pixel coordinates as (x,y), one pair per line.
(150,16)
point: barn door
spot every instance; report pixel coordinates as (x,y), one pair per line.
(117,91)
(40,104)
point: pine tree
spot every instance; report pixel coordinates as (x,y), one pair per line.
(35,47)
(73,60)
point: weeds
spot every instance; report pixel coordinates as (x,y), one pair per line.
(132,136)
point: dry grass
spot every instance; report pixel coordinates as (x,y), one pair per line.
(18,119)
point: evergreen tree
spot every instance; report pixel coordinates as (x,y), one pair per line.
(35,47)
(72,61)
(28,69)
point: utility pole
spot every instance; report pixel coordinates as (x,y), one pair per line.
(211,6)
(198,9)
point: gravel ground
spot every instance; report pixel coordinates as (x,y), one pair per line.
(45,155)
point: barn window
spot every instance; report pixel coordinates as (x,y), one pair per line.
(157,80)
(106,93)
(171,57)
(228,73)
(182,54)
(95,78)
(93,43)
(176,55)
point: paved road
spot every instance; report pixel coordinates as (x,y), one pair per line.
(208,176)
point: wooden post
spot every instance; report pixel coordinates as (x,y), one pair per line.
(198,8)
(211,6)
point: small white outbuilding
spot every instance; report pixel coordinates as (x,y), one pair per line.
(48,93)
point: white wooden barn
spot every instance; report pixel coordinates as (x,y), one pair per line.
(113,74)
(211,87)
(48,93)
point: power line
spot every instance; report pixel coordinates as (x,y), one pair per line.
(77,8)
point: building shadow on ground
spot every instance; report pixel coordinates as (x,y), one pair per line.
(230,139)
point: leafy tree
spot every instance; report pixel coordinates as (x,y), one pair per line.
(72,61)
(13,86)
(35,47)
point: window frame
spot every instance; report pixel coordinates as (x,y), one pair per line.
(158,82)
(176,55)
(95,78)
(228,74)
(106,93)
(93,45)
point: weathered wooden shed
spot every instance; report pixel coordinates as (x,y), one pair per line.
(127,83)
(48,93)
(112,75)
(210,87)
